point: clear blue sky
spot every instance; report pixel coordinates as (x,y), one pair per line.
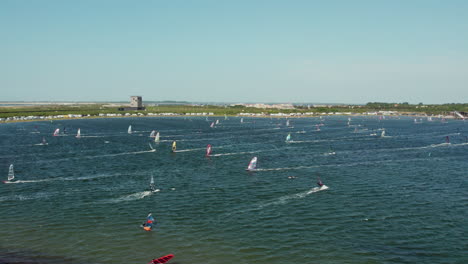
(235,51)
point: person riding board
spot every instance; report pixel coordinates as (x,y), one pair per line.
(148,225)
(319,182)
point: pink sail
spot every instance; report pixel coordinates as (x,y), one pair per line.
(208,150)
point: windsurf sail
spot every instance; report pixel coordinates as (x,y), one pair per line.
(319,182)
(151,147)
(383,133)
(153,133)
(156,138)
(288,137)
(217,121)
(212,124)
(11,173)
(129,129)
(225,117)
(447,139)
(148,224)
(252,164)
(208,150)
(44,142)
(56,132)
(174,146)
(163,259)
(78,134)
(242,120)
(287,122)
(152,186)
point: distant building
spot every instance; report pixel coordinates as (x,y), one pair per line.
(136,103)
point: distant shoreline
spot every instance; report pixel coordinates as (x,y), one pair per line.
(37,111)
(212,116)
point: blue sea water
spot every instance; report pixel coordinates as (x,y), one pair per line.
(401,198)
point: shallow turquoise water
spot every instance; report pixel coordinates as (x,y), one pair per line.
(397,199)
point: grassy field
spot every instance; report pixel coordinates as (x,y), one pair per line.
(96,109)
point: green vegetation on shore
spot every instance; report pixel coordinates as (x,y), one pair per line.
(96,109)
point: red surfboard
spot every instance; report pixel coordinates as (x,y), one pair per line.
(162,259)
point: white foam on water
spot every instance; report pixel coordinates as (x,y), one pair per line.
(235,153)
(129,197)
(280,200)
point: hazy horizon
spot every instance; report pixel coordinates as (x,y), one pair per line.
(347,52)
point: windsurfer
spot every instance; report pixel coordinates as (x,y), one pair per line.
(148,225)
(174,146)
(319,182)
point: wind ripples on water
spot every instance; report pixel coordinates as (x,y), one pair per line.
(395,199)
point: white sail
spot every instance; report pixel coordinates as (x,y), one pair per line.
(153,133)
(212,124)
(56,132)
(11,173)
(242,120)
(151,147)
(287,122)
(130,129)
(156,138)
(152,186)
(252,164)
(217,121)
(383,133)
(78,134)
(288,137)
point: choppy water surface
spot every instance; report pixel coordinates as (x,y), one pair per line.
(401,198)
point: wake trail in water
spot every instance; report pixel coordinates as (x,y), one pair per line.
(235,153)
(120,154)
(30,181)
(370,162)
(188,150)
(277,201)
(129,197)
